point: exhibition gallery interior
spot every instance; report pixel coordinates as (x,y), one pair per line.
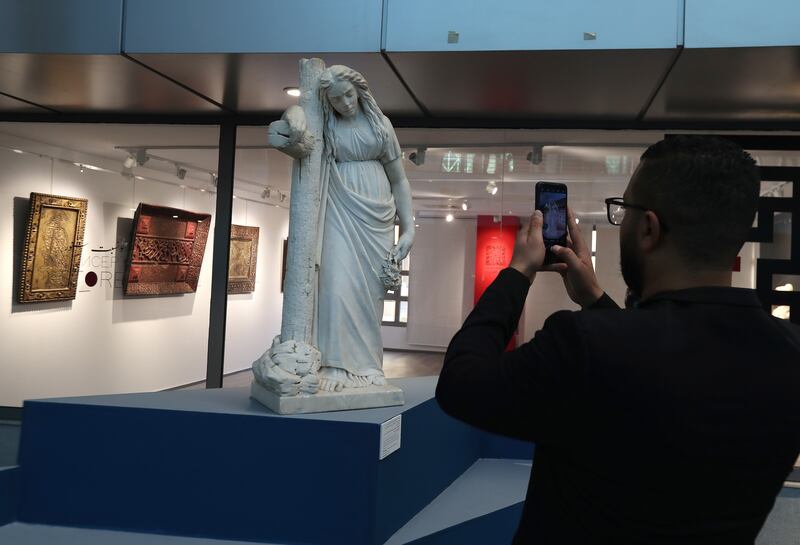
(158,246)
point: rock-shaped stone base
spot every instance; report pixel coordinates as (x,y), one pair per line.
(369,397)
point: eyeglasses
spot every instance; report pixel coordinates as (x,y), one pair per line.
(615,208)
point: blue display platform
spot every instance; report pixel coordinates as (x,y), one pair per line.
(482,506)
(9,477)
(215,464)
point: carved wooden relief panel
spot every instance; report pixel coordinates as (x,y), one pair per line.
(52,254)
(242,261)
(166,250)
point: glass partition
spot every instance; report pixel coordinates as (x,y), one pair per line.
(259,242)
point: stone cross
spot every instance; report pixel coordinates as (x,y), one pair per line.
(290,366)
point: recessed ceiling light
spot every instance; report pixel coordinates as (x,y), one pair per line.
(175,217)
(448,217)
(292,91)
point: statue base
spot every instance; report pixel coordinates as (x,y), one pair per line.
(369,397)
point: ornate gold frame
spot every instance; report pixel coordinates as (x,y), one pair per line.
(52,252)
(247,283)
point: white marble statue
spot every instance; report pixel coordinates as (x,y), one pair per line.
(361,189)
(367,187)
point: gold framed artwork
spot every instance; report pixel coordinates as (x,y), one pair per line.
(242,259)
(166,250)
(51,256)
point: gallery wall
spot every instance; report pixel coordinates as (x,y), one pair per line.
(103,342)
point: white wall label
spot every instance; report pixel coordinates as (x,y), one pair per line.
(390,436)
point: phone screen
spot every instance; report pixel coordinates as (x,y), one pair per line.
(552,201)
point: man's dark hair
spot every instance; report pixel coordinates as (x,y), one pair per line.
(705,190)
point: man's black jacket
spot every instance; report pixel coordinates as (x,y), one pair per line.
(675,422)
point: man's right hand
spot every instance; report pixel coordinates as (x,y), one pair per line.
(579,277)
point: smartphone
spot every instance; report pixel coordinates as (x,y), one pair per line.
(551,200)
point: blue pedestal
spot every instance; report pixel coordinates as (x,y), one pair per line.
(9,477)
(214,463)
(481,507)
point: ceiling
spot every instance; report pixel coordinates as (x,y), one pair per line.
(631,88)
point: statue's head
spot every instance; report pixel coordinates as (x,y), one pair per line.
(343,88)
(344,91)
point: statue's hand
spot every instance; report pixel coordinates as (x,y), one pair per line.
(403,246)
(290,134)
(296,118)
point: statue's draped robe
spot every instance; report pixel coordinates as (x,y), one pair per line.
(358,234)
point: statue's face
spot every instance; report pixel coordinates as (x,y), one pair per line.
(344,98)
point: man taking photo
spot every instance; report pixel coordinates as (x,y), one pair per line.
(676,421)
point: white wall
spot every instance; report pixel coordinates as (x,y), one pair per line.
(103,342)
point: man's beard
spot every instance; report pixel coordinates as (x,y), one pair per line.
(630,263)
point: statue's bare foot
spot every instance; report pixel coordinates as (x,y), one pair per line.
(378,380)
(332,379)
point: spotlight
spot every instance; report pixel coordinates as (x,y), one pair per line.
(418,157)
(465,206)
(535,155)
(180,172)
(448,217)
(292,91)
(491,188)
(214,179)
(266,193)
(282,197)
(141,157)
(129,162)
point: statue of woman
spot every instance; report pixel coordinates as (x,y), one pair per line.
(365,187)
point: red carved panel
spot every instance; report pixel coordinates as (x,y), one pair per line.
(166,252)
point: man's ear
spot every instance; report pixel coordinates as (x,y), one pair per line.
(650,232)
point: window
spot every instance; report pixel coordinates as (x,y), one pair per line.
(395,305)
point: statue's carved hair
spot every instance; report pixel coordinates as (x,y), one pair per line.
(337,73)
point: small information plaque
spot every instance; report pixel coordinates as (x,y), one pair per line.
(390,436)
